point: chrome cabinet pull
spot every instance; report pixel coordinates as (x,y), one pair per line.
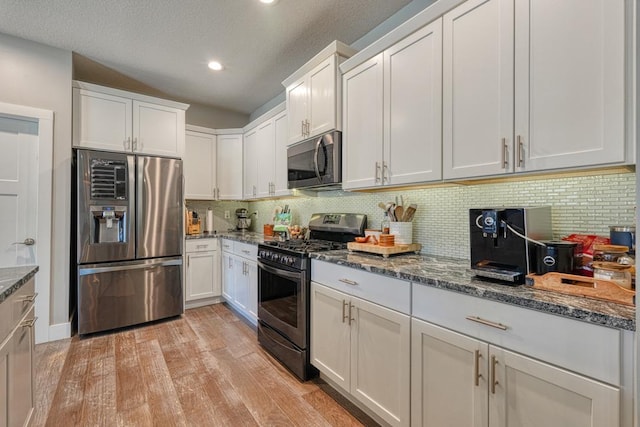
(520,151)
(202,246)
(29,323)
(308,127)
(494,382)
(505,153)
(30,298)
(377,174)
(127,143)
(487,322)
(135,144)
(385,176)
(302,128)
(244,251)
(348,282)
(351,319)
(344,315)
(476,368)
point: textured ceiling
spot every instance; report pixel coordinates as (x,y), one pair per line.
(166,44)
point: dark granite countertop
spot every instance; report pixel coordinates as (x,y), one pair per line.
(455,275)
(239,236)
(12,279)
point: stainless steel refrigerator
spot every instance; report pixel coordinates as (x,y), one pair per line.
(128,239)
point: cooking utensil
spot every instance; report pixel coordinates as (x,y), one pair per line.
(409,213)
(382,206)
(399,213)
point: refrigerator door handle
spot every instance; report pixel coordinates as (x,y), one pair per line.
(138,266)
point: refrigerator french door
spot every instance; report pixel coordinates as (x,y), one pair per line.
(129,239)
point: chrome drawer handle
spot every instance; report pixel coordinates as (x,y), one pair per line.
(202,246)
(487,322)
(30,298)
(244,251)
(29,323)
(348,282)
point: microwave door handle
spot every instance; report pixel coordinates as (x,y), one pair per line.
(315,159)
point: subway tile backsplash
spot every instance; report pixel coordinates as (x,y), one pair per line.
(583,204)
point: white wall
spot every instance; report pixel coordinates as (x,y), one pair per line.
(215,118)
(39,76)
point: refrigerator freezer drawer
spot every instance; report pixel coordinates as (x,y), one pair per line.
(128,293)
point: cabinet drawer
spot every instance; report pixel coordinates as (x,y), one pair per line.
(581,347)
(245,250)
(201,245)
(226,245)
(13,309)
(386,291)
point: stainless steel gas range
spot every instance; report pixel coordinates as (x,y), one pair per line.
(284,279)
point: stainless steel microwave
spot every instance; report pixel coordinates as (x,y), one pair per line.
(316,163)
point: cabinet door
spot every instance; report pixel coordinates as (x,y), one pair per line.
(158,130)
(20,374)
(265,158)
(297,109)
(280,164)
(532,393)
(199,166)
(478,89)
(413,108)
(448,378)
(201,276)
(241,283)
(250,165)
(362,123)
(380,360)
(252,294)
(229,167)
(322,98)
(101,121)
(570,80)
(228,279)
(330,334)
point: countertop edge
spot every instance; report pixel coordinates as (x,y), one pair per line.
(526,300)
(21,275)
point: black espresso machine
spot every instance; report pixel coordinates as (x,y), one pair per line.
(503,241)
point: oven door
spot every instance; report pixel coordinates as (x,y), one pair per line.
(282,301)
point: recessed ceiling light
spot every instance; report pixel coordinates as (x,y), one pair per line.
(269,1)
(215,65)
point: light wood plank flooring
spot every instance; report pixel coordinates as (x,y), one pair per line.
(203,369)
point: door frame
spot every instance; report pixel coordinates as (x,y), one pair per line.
(45,173)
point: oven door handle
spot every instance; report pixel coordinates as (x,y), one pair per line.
(280,272)
(315,159)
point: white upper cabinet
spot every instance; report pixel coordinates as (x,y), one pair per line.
(265,158)
(281,179)
(115,120)
(570,83)
(363,128)
(229,167)
(199,165)
(533,85)
(313,94)
(393,114)
(478,89)
(250,163)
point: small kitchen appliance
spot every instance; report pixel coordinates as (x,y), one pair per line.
(284,287)
(243,222)
(503,241)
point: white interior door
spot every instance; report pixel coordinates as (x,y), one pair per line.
(18,190)
(26,144)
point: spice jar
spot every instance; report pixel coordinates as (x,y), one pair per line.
(612,253)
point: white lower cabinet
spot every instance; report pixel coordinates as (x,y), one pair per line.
(202,275)
(461,381)
(363,348)
(240,278)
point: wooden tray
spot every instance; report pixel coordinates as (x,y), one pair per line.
(385,251)
(571,284)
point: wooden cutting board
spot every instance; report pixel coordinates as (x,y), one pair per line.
(385,251)
(571,284)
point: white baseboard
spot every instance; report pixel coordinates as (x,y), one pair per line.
(59,331)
